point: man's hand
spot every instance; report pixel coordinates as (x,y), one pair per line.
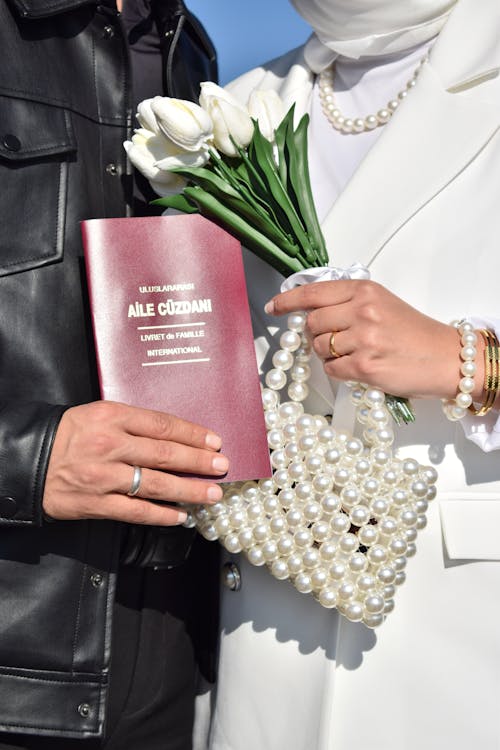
(95,449)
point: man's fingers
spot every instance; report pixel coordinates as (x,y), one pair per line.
(169,456)
(132,510)
(165,487)
(162,426)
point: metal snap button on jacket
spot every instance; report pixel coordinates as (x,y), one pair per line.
(231,576)
(8,507)
(11,142)
(84,710)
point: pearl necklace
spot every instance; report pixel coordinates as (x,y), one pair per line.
(359,124)
(340,515)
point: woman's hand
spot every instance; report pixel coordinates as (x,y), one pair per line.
(380,340)
(95,449)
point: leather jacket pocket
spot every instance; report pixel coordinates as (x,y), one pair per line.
(36,144)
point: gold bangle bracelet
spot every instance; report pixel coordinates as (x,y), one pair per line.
(491,373)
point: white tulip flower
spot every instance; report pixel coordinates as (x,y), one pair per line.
(146,116)
(154,156)
(230,119)
(268,109)
(183,122)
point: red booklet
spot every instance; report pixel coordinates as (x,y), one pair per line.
(172,328)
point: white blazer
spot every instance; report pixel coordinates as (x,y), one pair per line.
(423,212)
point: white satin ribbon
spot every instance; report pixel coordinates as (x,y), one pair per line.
(325,273)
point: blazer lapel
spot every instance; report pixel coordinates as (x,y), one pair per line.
(447,119)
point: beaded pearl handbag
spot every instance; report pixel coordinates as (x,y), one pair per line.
(340,515)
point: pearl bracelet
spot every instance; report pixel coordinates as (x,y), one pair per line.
(456,408)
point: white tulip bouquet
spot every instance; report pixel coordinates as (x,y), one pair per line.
(245,167)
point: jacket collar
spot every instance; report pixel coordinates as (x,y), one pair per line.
(44,8)
(444,124)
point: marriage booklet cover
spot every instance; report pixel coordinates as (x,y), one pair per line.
(172,328)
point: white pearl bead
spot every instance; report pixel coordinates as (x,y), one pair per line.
(327,551)
(337,571)
(358,563)
(232,544)
(328,597)
(319,578)
(270,550)
(279,569)
(296,322)
(373,621)
(290,410)
(371,122)
(255,556)
(346,591)
(286,545)
(290,340)
(283,359)
(298,391)
(368,535)
(295,564)
(331,504)
(303,538)
(386,575)
(277,525)
(269,398)
(348,543)
(275,379)
(468,369)
(359,515)
(310,558)
(340,523)
(374,604)
(303,583)
(354,612)
(383,116)
(377,554)
(366,582)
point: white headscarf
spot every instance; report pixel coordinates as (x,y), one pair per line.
(357,28)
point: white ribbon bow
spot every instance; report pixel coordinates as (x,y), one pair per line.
(325,273)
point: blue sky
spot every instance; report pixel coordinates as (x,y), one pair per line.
(249,32)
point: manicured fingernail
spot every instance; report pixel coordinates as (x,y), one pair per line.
(214,493)
(213,441)
(181,517)
(269,307)
(220,463)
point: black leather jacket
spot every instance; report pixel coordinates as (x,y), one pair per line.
(64,114)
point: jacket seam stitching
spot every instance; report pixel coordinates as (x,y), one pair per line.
(78,613)
(54,730)
(50,101)
(97,683)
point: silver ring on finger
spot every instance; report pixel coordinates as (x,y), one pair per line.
(136,482)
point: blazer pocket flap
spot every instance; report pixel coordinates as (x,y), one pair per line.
(31,130)
(471,528)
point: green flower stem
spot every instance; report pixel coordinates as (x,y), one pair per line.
(298,169)
(265,160)
(212,208)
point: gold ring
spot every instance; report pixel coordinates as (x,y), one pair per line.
(331,348)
